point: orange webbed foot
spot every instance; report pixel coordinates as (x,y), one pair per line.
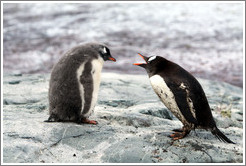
(87,121)
(179,135)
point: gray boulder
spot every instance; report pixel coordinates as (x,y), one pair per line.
(133,125)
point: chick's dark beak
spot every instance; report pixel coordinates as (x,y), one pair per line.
(142,64)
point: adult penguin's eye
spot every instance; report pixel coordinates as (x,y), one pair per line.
(151,59)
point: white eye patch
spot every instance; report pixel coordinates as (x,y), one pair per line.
(151,58)
(104,50)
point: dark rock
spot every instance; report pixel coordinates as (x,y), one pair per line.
(161,113)
(15,82)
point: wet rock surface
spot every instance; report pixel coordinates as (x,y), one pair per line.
(133,125)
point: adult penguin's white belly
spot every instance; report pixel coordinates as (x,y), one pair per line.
(166,96)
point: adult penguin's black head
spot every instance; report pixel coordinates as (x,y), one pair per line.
(152,65)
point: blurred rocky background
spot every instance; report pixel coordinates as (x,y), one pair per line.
(204,38)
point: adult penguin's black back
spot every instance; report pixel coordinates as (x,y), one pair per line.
(183,96)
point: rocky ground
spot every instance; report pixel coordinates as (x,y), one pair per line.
(133,125)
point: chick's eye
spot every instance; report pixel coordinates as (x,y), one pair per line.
(104,50)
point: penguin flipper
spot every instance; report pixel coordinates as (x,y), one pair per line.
(181,100)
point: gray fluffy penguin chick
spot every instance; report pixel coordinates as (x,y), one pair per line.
(74,83)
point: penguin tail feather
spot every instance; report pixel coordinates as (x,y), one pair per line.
(52,118)
(215,131)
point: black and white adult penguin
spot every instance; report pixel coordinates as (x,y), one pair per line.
(74,83)
(182,94)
